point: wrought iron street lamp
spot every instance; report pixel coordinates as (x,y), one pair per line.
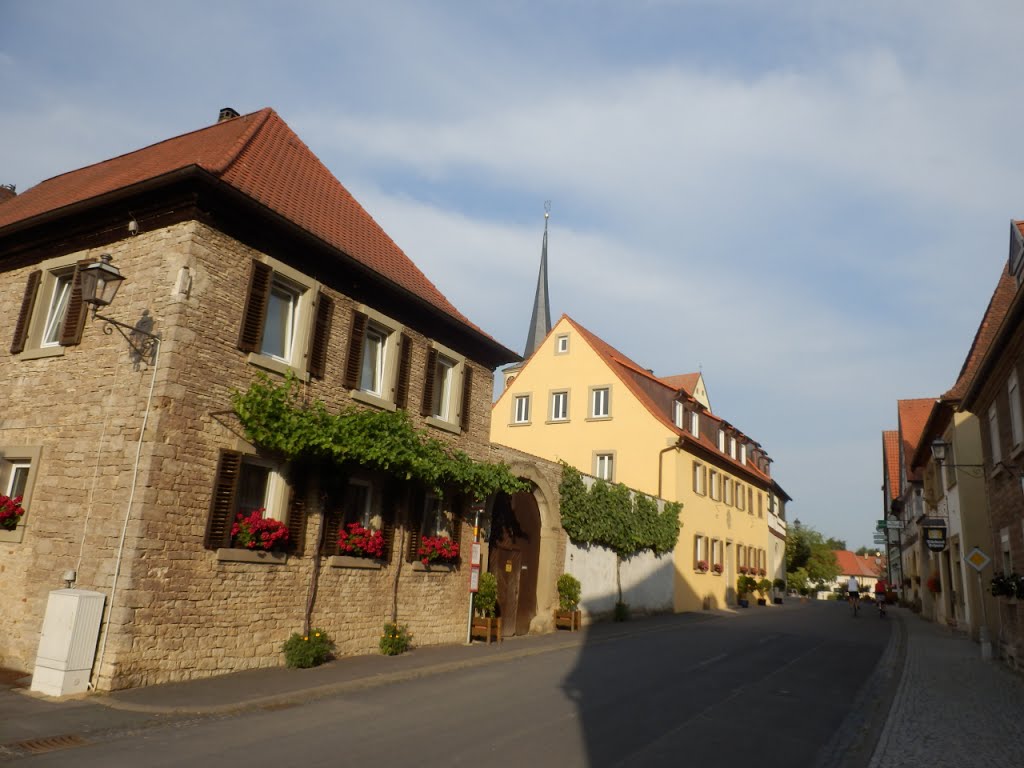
(99,283)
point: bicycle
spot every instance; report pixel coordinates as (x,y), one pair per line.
(855,602)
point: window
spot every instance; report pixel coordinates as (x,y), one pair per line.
(447,388)
(1016,427)
(743,455)
(721,440)
(244,483)
(378,362)
(993,434)
(717,561)
(741,496)
(521,409)
(727,491)
(17,476)
(361,505)
(599,400)
(698,478)
(444,373)
(1005,551)
(559,406)
(760,504)
(949,468)
(561,344)
(678,414)
(604,466)
(695,424)
(286,322)
(715,489)
(700,550)
(52,312)
(732,447)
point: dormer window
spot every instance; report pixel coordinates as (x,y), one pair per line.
(695,423)
(678,414)
(721,440)
(743,455)
(732,447)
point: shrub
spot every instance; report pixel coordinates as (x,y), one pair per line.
(763,587)
(304,651)
(395,640)
(486,601)
(569,592)
(780,584)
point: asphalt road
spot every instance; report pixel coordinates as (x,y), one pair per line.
(771,688)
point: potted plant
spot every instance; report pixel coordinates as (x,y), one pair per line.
(702,566)
(744,586)
(356,541)
(253,531)
(717,568)
(568,614)
(763,588)
(780,587)
(10,512)
(486,624)
(438,549)
(1005,586)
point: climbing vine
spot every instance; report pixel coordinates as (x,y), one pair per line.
(275,417)
(611,516)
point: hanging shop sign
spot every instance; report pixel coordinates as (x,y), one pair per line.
(935,537)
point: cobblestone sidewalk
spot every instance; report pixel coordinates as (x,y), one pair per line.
(951,707)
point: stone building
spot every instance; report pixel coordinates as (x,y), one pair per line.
(244,256)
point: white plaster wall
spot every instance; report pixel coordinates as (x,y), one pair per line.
(647,581)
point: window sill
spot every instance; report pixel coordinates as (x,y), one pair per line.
(371,399)
(598,418)
(13,537)
(277,366)
(557,421)
(434,567)
(41,352)
(447,426)
(230,555)
(356,563)
(521,424)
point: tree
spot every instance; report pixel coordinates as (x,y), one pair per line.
(867,552)
(808,550)
(835,543)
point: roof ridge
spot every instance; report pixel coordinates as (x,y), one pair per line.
(260,118)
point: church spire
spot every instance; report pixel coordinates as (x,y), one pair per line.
(540,321)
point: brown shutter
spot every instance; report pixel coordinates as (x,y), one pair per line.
(415,523)
(333,487)
(387,514)
(74,318)
(297,509)
(426,407)
(251,333)
(404,361)
(467,396)
(321,336)
(355,350)
(222,505)
(28,303)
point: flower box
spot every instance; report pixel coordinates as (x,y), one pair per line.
(236,555)
(358,563)
(485,628)
(433,567)
(571,620)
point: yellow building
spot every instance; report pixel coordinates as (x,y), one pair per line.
(578,400)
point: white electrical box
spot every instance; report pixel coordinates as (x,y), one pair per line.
(67,643)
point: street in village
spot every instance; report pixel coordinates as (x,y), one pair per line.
(803,684)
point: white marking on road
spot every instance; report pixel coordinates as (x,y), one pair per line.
(708,662)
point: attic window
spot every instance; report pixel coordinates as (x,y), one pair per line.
(1016,251)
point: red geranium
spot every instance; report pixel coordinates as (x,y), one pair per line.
(437,548)
(744,569)
(717,567)
(361,542)
(10,512)
(253,531)
(702,565)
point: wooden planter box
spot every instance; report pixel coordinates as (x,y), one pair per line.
(487,629)
(571,620)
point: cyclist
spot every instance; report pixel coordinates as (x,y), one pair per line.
(880,596)
(853,591)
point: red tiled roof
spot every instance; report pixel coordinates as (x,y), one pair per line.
(913,415)
(891,460)
(260,156)
(995,313)
(683,381)
(641,382)
(850,564)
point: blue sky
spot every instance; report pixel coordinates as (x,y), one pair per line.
(808,201)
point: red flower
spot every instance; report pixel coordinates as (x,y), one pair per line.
(10,512)
(361,542)
(717,567)
(437,548)
(702,565)
(253,531)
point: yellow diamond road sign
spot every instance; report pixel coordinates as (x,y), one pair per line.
(977,559)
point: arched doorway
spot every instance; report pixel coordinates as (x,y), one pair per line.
(514,559)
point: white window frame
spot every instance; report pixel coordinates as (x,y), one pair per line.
(732,447)
(678,414)
(699,479)
(386,369)
(1013,396)
(721,440)
(437,514)
(369,516)
(562,344)
(604,466)
(299,334)
(13,460)
(993,434)
(52,272)
(741,496)
(282,287)
(716,556)
(700,547)
(57,308)
(743,454)
(560,405)
(377,337)
(521,409)
(727,491)
(600,402)
(275,492)
(714,486)
(694,423)
(442,406)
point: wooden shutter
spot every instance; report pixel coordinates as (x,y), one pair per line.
(321,336)
(387,514)
(297,509)
(415,523)
(404,361)
(333,487)
(222,505)
(355,350)
(28,303)
(467,396)
(426,408)
(74,318)
(251,333)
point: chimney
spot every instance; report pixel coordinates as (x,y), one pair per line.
(226,114)
(7,192)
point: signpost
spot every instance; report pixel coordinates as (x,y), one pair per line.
(474,571)
(978,560)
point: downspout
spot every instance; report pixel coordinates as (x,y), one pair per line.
(676,446)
